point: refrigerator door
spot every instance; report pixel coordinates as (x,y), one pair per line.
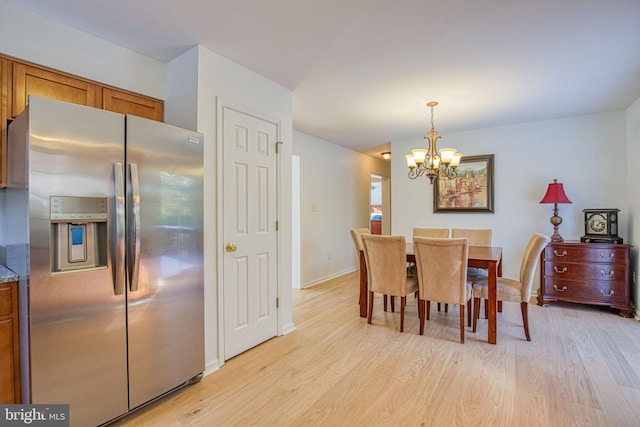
(76,336)
(165,258)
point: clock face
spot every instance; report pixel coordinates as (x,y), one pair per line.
(597,224)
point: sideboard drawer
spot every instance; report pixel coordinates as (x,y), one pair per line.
(588,292)
(566,253)
(585,271)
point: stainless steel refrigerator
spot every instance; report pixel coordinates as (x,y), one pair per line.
(105,229)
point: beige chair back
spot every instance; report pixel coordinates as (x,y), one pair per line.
(386,257)
(442,233)
(442,269)
(532,252)
(356,235)
(476,236)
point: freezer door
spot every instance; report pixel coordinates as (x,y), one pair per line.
(75,346)
(165,257)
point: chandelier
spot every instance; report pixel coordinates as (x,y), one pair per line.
(431,162)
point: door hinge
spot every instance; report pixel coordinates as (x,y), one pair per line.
(278,146)
(277,302)
(277,225)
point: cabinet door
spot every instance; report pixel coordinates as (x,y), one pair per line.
(4,105)
(9,345)
(136,105)
(29,80)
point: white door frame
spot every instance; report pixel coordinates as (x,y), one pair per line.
(220,105)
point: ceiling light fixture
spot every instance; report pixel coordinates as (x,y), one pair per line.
(432,162)
(386,155)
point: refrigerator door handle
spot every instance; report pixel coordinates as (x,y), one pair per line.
(118,183)
(135,229)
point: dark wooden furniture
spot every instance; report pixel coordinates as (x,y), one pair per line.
(587,273)
(9,344)
(489,258)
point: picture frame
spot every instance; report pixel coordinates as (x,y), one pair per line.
(470,191)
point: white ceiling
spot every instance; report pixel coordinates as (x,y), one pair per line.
(361,71)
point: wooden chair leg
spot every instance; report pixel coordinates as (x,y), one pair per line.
(438,306)
(393,306)
(370,307)
(486,309)
(476,312)
(446,308)
(462,323)
(421,303)
(499,306)
(524,307)
(402,304)
(428,309)
(469,312)
(384,298)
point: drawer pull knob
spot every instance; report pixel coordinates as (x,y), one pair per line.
(557,270)
(564,288)
(603,255)
(555,252)
(610,274)
(606,295)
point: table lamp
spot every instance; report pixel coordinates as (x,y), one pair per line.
(555,194)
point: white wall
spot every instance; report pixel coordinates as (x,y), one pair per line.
(220,80)
(585,153)
(191,82)
(335,191)
(633,158)
(30,37)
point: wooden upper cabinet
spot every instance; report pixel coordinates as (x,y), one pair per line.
(127,103)
(4,105)
(30,80)
(20,79)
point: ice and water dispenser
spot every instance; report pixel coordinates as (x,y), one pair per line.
(78,233)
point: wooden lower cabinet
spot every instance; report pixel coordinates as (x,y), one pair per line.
(587,273)
(9,344)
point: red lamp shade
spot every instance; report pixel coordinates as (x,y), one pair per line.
(555,194)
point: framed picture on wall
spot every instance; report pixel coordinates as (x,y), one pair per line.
(470,191)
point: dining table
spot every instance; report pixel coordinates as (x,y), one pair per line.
(486,257)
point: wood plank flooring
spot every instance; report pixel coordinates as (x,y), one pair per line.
(582,368)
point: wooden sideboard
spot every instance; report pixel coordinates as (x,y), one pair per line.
(19,79)
(587,273)
(9,344)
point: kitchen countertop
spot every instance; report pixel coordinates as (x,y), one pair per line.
(7,276)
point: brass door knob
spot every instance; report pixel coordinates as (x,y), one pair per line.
(231,247)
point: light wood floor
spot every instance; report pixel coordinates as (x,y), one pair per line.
(582,368)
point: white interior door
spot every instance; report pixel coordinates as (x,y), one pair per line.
(250,235)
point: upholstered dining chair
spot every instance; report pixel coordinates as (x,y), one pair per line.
(476,237)
(511,289)
(356,235)
(442,276)
(428,232)
(386,269)
(431,232)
